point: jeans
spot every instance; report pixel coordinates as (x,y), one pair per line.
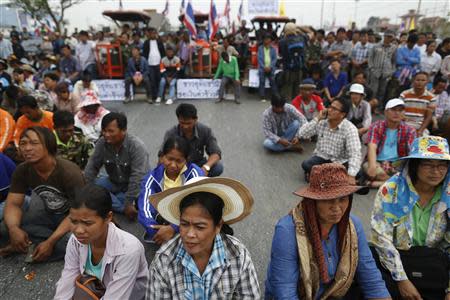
(216,170)
(172,86)
(155,77)
(129,81)
(289,134)
(311,162)
(223,84)
(92,70)
(291,82)
(25,206)
(262,83)
(118,198)
(378,86)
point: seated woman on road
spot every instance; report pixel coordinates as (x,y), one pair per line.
(98,248)
(203,262)
(319,250)
(409,223)
(173,171)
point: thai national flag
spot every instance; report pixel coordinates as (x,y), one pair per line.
(182,7)
(226,12)
(240,12)
(213,21)
(166,9)
(189,20)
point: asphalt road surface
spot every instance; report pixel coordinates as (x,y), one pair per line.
(271,178)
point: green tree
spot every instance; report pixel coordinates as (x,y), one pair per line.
(39,9)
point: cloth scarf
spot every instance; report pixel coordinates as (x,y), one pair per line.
(309,281)
(92,119)
(399,196)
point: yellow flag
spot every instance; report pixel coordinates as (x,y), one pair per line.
(412,25)
(282,9)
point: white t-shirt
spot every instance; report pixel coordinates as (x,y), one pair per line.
(154,57)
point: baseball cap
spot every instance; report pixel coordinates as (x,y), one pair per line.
(393,103)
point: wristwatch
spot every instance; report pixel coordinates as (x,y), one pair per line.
(207,168)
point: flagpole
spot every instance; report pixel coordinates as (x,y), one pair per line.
(321,14)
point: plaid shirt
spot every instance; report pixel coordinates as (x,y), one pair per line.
(274,125)
(339,145)
(198,286)
(360,52)
(405,136)
(234,279)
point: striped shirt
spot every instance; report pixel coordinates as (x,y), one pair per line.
(416,106)
(382,60)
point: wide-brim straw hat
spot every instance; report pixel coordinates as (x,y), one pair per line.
(429,147)
(237,199)
(329,181)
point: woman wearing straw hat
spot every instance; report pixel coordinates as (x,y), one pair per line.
(409,224)
(203,262)
(320,249)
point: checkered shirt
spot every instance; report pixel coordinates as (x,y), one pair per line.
(274,125)
(234,278)
(360,53)
(339,145)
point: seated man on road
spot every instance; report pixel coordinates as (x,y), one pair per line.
(32,115)
(360,77)
(200,138)
(335,81)
(308,103)
(53,181)
(228,69)
(337,141)
(126,162)
(387,141)
(281,122)
(419,104)
(7,167)
(71,143)
(360,114)
(170,67)
(137,74)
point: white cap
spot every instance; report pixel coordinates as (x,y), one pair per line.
(357,88)
(393,103)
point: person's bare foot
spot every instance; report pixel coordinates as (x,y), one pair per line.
(7,250)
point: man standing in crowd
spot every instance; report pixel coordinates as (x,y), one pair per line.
(419,104)
(126,162)
(341,48)
(71,144)
(308,103)
(281,122)
(85,54)
(360,54)
(69,65)
(170,67)
(381,63)
(137,74)
(337,139)
(408,61)
(44,225)
(184,52)
(200,138)
(5,47)
(387,141)
(228,69)
(153,51)
(292,51)
(360,114)
(267,59)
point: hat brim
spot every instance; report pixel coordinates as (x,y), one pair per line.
(307,86)
(238,201)
(337,192)
(442,157)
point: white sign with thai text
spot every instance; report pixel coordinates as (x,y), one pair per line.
(263,7)
(111,89)
(198,88)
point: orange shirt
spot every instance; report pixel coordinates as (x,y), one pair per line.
(7,126)
(24,123)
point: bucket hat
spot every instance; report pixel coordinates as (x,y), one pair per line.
(90,98)
(329,181)
(307,83)
(356,88)
(429,147)
(237,199)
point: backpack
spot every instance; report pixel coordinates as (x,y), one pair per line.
(296,52)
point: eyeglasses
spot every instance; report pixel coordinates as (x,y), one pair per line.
(334,108)
(430,167)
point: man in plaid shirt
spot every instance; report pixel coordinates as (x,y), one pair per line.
(360,54)
(387,140)
(337,139)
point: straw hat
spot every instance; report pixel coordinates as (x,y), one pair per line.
(237,199)
(429,147)
(329,181)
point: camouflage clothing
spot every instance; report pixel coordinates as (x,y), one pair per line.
(77,150)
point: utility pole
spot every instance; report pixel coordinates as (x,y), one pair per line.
(321,14)
(418,7)
(355,16)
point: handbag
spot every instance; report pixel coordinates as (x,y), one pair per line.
(88,287)
(427,268)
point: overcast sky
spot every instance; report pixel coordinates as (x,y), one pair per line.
(305,12)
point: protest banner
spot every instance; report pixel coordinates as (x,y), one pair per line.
(198,88)
(263,7)
(111,89)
